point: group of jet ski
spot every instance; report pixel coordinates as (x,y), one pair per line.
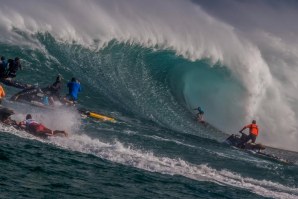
(45,98)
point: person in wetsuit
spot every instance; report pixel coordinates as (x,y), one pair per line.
(53,91)
(55,88)
(3,67)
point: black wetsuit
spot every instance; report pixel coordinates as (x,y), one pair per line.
(3,65)
(13,68)
(55,89)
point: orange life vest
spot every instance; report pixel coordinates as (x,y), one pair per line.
(253,129)
(2,92)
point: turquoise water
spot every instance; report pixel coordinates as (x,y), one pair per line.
(155,150)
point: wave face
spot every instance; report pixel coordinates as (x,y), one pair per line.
(149,65)
(251,73)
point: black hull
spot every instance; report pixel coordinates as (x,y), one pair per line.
(236,141)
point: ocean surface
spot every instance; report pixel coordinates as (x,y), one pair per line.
(148,66)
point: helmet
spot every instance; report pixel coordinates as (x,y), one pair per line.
(28,116)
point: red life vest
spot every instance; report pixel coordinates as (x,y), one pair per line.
(253,129)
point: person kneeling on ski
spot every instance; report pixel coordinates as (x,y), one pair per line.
(253,133)
(38,129)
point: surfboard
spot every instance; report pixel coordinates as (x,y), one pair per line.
(98,116)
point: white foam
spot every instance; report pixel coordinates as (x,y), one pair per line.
(148,161)
(129,156)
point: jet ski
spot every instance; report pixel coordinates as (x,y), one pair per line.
(236,140)
(253,148)
(16,84)
(30,94)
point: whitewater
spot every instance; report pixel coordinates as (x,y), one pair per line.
(149,64)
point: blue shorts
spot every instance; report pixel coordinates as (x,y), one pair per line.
(71,98)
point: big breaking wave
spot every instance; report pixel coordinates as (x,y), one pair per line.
(252,58)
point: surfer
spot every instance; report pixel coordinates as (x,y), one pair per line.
(200,114)
(74,87)
(38,129)
(253,133)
